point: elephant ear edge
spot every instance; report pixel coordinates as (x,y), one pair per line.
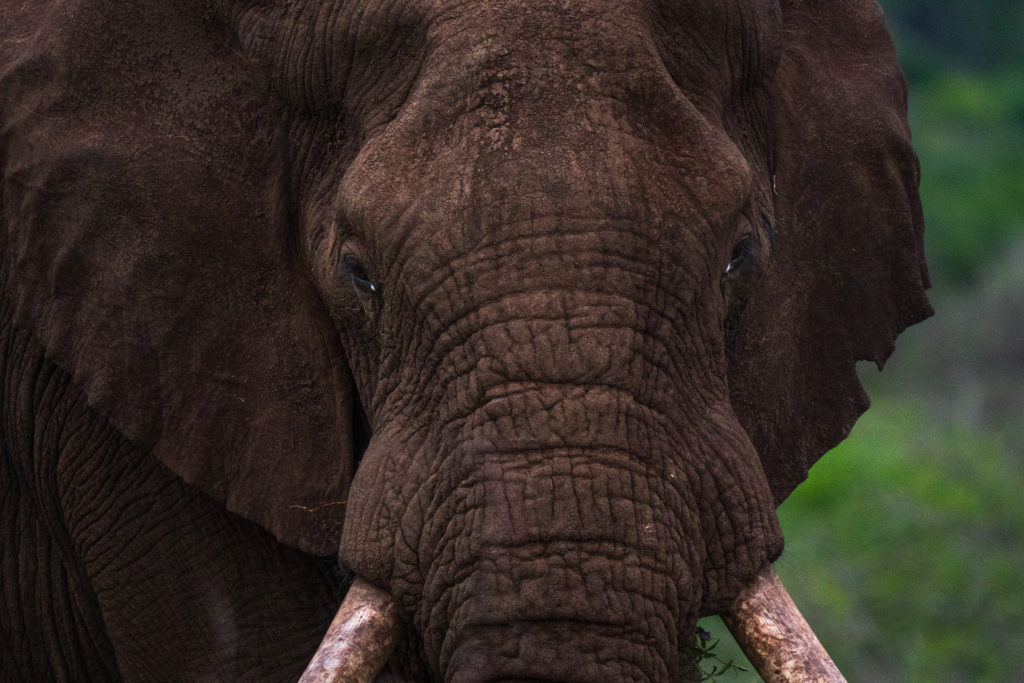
(848,272)
(143,250)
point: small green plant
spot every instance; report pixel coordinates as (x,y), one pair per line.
(702,653)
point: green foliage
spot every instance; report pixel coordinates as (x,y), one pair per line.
(969,133)
(705,657)
(981,34)
(905,551)
(913,571)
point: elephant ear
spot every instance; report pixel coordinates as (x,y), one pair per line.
(144,247)
(847,273)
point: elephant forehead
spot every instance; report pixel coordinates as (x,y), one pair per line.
(534,109)
(716,46)
(489,55)
(594,190)
(319,49)
(367,62)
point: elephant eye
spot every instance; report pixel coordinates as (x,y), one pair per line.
(743,249)
(360,278)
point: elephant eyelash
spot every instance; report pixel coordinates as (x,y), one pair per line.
(768,227)
(360,277)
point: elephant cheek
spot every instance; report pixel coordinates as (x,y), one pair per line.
(373,512)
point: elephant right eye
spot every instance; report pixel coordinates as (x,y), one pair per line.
(740,253)
(360,278)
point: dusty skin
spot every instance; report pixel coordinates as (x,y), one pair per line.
(526,314)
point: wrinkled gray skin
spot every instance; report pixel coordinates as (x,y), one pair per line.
(536,310)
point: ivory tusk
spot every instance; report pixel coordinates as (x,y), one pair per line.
(359,640)
(774,635)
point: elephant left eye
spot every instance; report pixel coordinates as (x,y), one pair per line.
(360,278)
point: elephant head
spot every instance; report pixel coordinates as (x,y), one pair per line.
(531,311)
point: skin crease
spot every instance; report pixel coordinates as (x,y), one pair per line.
(531,312)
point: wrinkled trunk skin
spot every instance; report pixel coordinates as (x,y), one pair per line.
(566,578)
(553,560)
(562,529)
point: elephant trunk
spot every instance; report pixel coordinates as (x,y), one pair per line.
(551,625)
(564,566)
(567,504)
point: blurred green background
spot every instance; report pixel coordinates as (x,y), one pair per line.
(905,547)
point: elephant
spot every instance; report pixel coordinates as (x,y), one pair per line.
(520,318)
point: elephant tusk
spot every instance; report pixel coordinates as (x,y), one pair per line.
(359,640)
(774,635)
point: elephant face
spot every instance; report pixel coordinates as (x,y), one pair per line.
(538,309)
(548,297)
